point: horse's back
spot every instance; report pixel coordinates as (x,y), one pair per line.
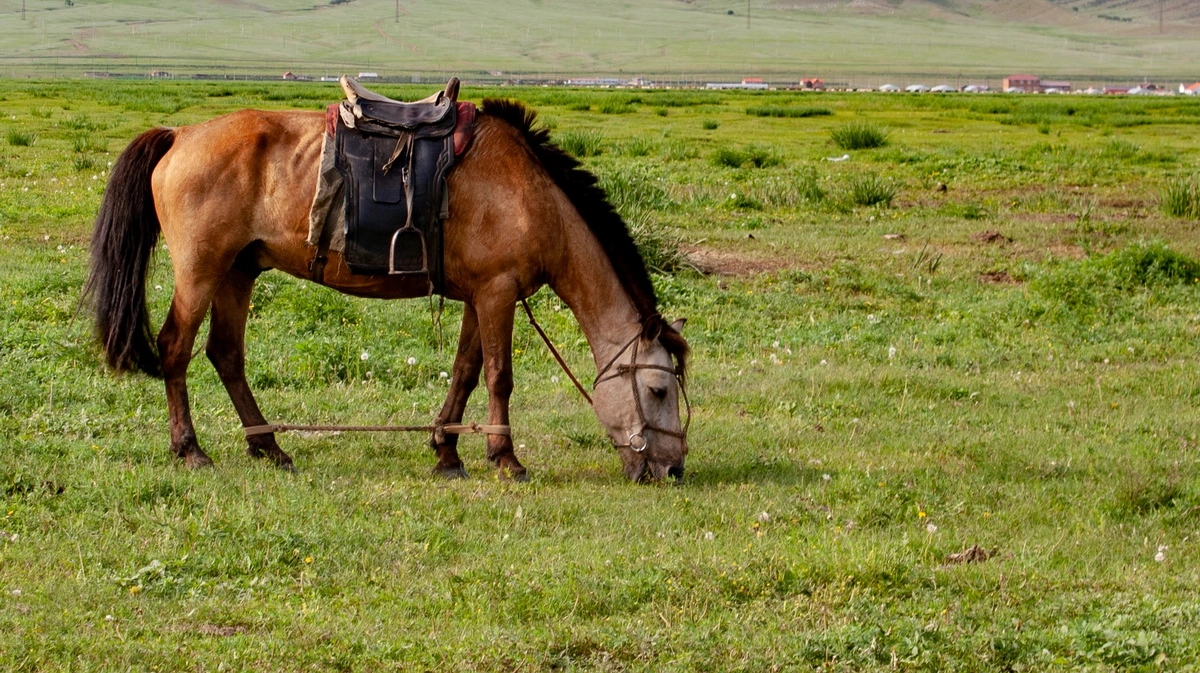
(244,177)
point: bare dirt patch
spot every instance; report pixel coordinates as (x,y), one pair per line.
(725,263)
(998,278)
(991,236)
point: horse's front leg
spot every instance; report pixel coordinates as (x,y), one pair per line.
(467,364)
(495,315)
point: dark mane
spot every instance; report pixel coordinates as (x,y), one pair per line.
(582,188)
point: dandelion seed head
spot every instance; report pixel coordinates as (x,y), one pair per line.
(411,361)
(364,356)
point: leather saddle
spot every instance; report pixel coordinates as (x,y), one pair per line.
(394,158)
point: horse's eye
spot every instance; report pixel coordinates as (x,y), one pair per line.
(660,393)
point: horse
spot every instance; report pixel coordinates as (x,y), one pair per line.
(230,198)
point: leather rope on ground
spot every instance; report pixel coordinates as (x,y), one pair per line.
(453,429)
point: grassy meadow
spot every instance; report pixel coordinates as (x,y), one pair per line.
(967,321)
(865,43)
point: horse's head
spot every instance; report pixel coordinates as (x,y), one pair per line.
(637,399)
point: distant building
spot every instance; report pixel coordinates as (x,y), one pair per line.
(289,75)
(814,83)
(368,75)
(888,87)
(1052,86)
(1190,89)
(161,74)
(1023,83)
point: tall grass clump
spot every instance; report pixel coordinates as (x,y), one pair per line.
(859,135)
(869,190)
(754,156)
(1181,198)
(581,143)
(662,252)
(787,111)
(615,107)
(640,146)
(631,189)
(19,138)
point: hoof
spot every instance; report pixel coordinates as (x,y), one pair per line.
(517,474)
(450,472)
(267,448)
(196,460)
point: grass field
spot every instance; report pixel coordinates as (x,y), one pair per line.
(866,44)
(1001,352)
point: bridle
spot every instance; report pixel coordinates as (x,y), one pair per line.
(612,370)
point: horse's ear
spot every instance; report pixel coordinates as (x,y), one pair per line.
(678,325)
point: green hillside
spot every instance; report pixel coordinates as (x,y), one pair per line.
(860,42)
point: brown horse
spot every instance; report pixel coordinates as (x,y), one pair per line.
(231,196)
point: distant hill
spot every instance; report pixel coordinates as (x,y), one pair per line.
(860,42)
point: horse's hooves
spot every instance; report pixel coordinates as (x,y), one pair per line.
(450,472)
(288,467)
(196,460)
(514,474)
(271,451)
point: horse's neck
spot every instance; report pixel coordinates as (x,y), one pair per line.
(588,284)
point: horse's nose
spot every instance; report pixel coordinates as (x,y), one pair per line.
(675,472)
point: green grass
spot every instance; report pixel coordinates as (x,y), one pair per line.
(1005,357)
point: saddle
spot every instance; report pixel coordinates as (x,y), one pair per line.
(394,158)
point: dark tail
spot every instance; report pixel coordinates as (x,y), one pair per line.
(122,244)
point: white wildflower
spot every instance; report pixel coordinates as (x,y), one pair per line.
(411,361)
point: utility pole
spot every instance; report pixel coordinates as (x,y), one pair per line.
(397,11)
(22,10)
(1160,16)
(747,14)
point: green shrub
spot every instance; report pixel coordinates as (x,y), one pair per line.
(581,143)
(1180,198)
(710,124)
(859,135)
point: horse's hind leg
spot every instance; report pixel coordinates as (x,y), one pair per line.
(189,304)
(226,349)
(467,364)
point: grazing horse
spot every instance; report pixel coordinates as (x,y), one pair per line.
(231,199)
